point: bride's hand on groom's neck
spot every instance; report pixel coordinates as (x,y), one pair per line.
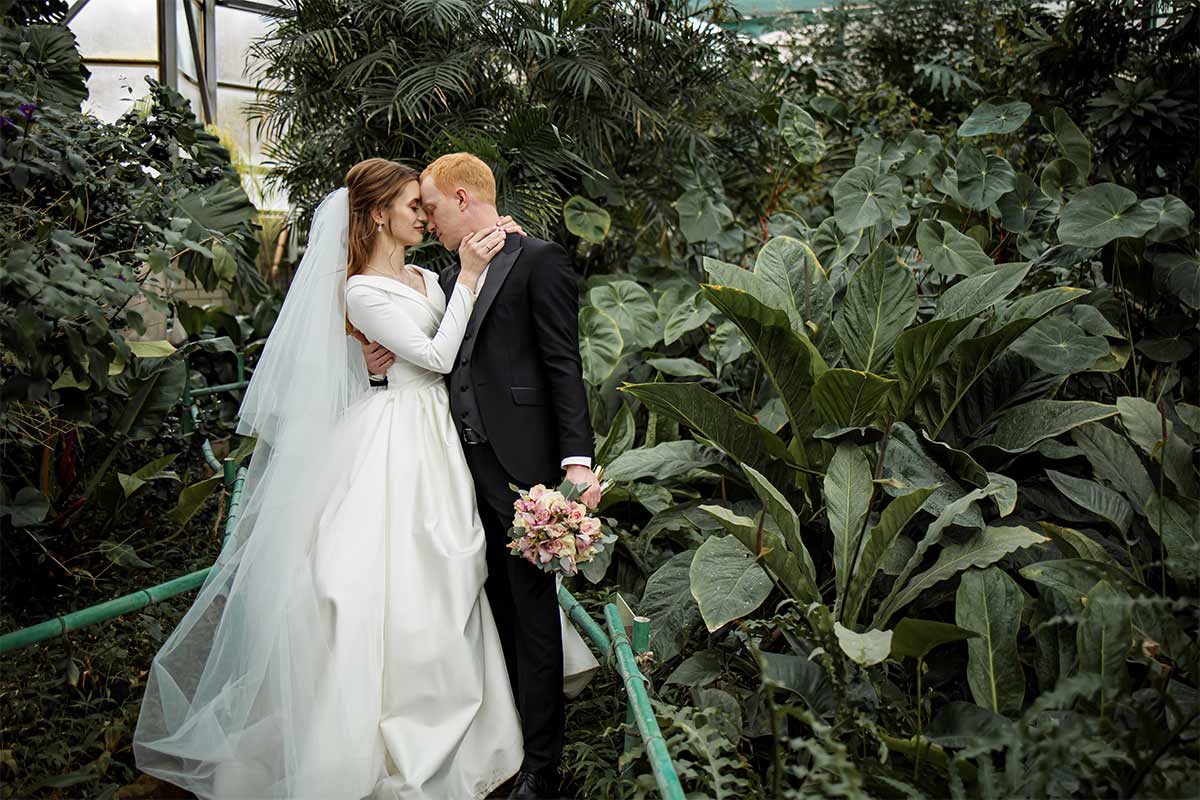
(476,251)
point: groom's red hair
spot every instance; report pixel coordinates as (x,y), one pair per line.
(463,170)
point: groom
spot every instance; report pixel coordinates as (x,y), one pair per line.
(518,400)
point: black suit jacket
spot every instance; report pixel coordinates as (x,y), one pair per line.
(521,355)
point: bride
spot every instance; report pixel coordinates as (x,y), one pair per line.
(343,646)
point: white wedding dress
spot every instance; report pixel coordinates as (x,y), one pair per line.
(355,656)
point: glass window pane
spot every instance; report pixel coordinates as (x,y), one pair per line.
(117,29)
(236,30)
(112,90)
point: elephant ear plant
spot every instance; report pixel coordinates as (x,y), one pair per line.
(979,362)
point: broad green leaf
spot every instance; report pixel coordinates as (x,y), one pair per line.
(156,349)
(1101,213)
(1006,494)
(849,398)
(960,464)
(918,353)
(848,491)
(995,117)
(735,433)
(697,670)
(631,306)
(727,719)
(1175,520)
(950,252)
(1144,424)
(989,603)
(1180,273)
(800,131)
(600,344)
(786,520)
(961,724)
(983,179)
(1060,178)
(723,274)
(1080,543)
(1020,208)
(727,581)
(775,557)
(1074,145)
(1093,497)
(192,497)
(792,268)
(879,539)
(1073,578)
(1105,633)
(788,357)
(976,294)
(982,549)
(1190,415)
(864,197)
(701,216)
(880,302)
(619,438)
(28,507)
(687,316)
(877,154)
(680,367)
(585,219)
(1060,347)
(832,245)
(123,555)
(1173,218)
(865,649)
(667,600)
(919,148)
(1029,423)
(907,460)
(661,462)
(916,638)
(153,387)
(805,678)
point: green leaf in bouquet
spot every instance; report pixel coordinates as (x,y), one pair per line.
(1104,212)
(996,117)
(727,581)
(982,179)
(880,302)
(600,344)
(585,219)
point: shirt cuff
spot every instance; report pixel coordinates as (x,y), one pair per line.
(576,461)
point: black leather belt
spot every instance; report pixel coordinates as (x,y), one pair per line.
(472,436)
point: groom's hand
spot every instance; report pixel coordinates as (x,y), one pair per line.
(577,473)
(378,357)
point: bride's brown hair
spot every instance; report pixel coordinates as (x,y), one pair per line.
(370,184)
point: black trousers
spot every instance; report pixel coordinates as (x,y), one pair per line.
(524,602)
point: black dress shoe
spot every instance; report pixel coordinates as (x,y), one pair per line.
(532,786)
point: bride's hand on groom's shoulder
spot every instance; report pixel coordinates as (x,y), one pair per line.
(509,225)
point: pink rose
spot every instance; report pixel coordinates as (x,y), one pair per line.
(590,527)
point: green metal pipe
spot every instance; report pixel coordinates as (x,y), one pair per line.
(641,642)
(583,620)
(110,609)
(635,688)
(221,387)
(206,447)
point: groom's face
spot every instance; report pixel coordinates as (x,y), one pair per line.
(446,220)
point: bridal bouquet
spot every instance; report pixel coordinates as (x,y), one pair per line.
(553,530)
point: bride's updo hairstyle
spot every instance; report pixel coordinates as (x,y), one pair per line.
(370,184)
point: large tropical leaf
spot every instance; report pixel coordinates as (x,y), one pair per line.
(1094,498)
(976,294)
(1105,633)
(1029,423)
(949,252)
(800,131)
(600,344)
(631,306)
(982,549)
(1102,213)
(982,179)
(916,638)
(847,398)
(880,302)
(1074,145)
(1175,521)
(848,490)
(791,266)
(788,357)
(662,461)
(701,215)
(864,197)
(989,603)
(727,581)
(735,433)
(995,117)
(782,564)
(879,539)
(866,649)
(667,600)
(786,520)
(1019,209)
(585,219)
(908,461)
(1060,347)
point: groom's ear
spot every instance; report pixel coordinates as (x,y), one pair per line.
(464,199)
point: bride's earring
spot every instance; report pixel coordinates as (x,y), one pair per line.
(379,227)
